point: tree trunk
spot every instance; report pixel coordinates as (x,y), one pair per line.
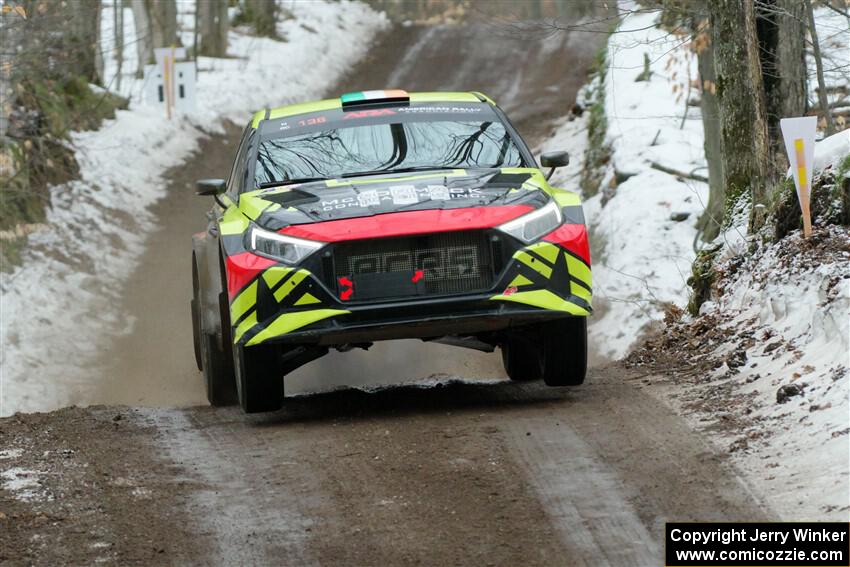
(98,51)
(263,16)
(163,22)
(791,59)
(82,25)
(118,23)
(743,127)
(781,35)
(213,28)
(710,222)
(823,101)
(144,43)
(12,23)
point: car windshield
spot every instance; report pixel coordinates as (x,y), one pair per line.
(410,145)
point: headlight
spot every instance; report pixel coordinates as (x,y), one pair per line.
(280,247)
(532,226)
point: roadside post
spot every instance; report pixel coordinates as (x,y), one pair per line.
(799,137)
(171,82)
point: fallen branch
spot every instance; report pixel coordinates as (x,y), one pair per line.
(677,173)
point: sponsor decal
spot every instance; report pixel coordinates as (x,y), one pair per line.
(401,195)
(510,290)
(438,110)
(404,195)
(368,113)
(438,192)
(368,199)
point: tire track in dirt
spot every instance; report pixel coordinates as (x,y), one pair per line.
(455,474)
(250,498)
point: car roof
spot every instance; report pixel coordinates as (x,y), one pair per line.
(336,103)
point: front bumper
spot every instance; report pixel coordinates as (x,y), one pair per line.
(420,320)
(547,280)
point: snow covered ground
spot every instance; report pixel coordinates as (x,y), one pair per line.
(784,309)
(797,309)
(642,257)
(53,320)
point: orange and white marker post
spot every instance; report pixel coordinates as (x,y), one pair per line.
(799,137)
(166,59)
(168,80)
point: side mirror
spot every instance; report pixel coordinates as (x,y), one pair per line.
(554,160)
(211,187)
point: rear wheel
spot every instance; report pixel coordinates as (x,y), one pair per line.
(521,358)
(259,377)
(564,360)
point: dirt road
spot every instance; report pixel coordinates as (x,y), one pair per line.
(457,473)
(461,474)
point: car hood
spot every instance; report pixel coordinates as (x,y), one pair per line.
(278,207)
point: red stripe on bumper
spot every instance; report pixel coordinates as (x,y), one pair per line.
(408,222)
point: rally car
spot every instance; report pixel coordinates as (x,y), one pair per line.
(386,215)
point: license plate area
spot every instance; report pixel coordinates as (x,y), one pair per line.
(423,265)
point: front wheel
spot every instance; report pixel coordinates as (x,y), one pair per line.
(522,360)
(211,358)
(564,357)
(218,377)
(259,377)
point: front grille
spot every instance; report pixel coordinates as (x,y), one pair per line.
(445,263)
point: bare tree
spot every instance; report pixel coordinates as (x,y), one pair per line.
(262,16)
(118,24)
(81,21)
(823,101)
(212,24)
(712,218)
(740,91)
(781,32)
(156,26)
(163,22)
(144,42)
(791,60)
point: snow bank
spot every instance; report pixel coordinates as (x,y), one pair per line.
(830,151)
(785,309)
(765,371)
(642,256)
(55,314)
(803,306)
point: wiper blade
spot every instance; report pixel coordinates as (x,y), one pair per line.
(269,184)
(397,170)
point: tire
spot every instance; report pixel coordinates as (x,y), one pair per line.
(196,316)
(196,333)
(213,361)
(521,359)
(218,377)
(564,351)
(259,377)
